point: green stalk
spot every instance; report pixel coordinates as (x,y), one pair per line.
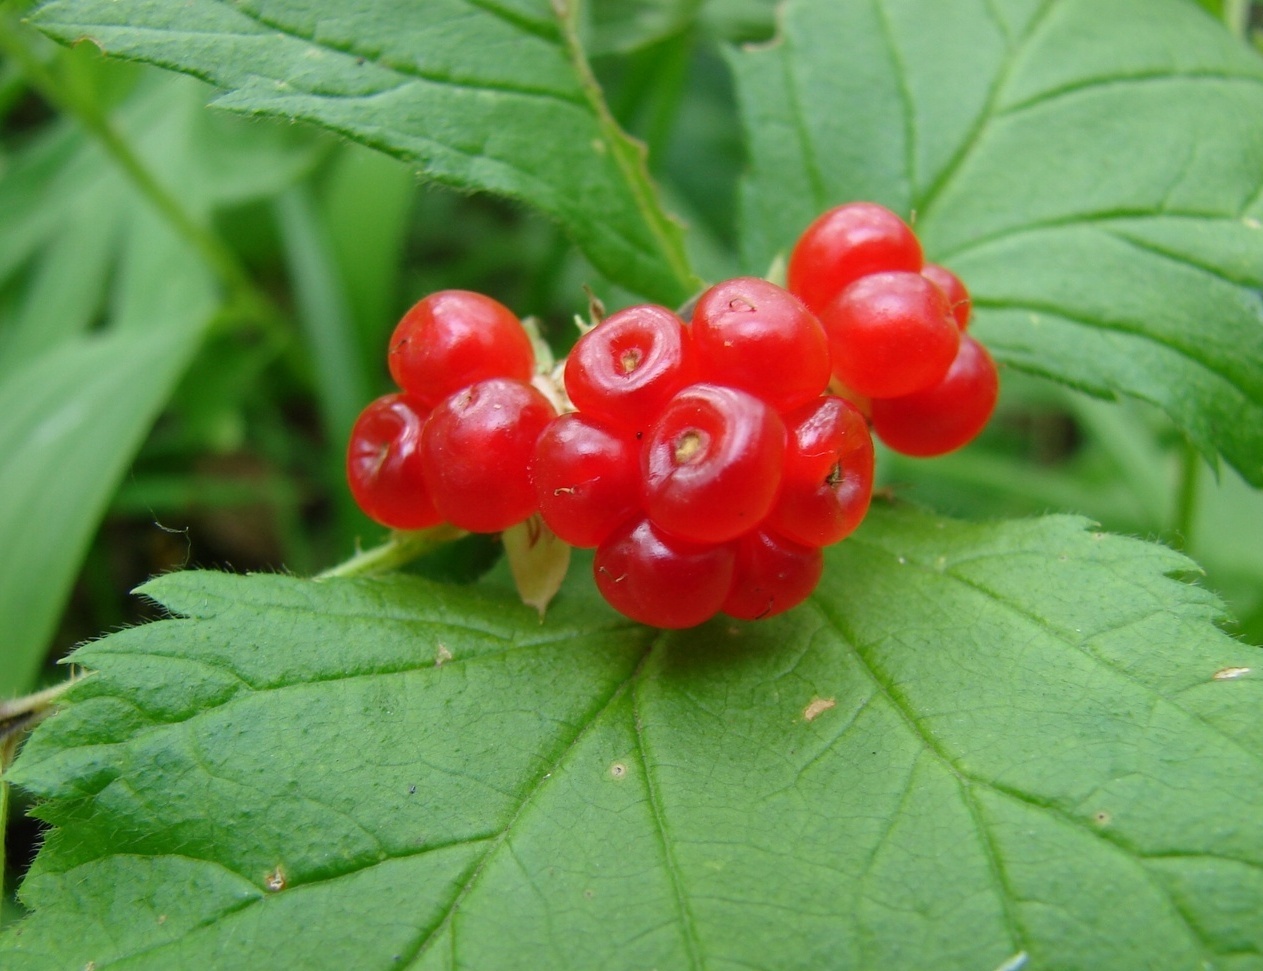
(1186,496)
(630,156)
(402,548)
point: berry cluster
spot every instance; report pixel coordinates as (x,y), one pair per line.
(896,329)
(704,460)
(453,445)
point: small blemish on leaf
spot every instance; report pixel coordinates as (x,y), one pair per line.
(1230,674)
(275,880)
(1251,223)
(589,893)
(598,146)
(162,919)
(1101,818)
(940,563)
(442,655)
(1015,963)
(618,770)
(412,790)
(817,707)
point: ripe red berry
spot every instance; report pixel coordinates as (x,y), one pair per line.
(946,416)
(953,289)
(476,449)
(891,334)
(626,368)
(846,243)
(586,478)
(711,463)
(451,339)
(771,575)
(828,477)
(657,579)
(753,335)
(383,464)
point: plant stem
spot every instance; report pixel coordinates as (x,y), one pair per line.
(400,549)
(630,156)
(1186,497)
(1237,16)
(19,715)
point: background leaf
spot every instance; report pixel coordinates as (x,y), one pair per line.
(976,742)
(1091,169)
(484,96)
(108,314)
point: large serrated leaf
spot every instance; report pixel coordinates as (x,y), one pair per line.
(479,95)
(1092,169)
(1020,744)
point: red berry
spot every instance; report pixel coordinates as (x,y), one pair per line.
(953,289)
(891,334)
(586,478)
(845,244)
(476,449)
(771,575)
(828,478)
(753,335)
(660,580)
(711,463)
(383,464)
(451,339)
(946,416)
(628,366)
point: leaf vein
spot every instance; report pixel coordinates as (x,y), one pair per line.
(687,921)
(1083,85)
(413,955)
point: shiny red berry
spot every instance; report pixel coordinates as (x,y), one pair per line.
(754,335)
(846,243)
(771,574)
(453,338)
(711,463)
(952,287)
(383,464)
(661,580)
(828,477)
(476,449)
(891,334)
(627,367)
(586,477)
(946,416)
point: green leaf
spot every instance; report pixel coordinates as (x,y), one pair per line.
(977,744)
(480,95)
(1092,170)
(103,324)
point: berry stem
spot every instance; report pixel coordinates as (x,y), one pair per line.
(400,549)
(1186,497)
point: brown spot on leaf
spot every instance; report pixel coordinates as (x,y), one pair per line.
(618,770)
(275,879)
(817,707)
(442,655)
(1230,674)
